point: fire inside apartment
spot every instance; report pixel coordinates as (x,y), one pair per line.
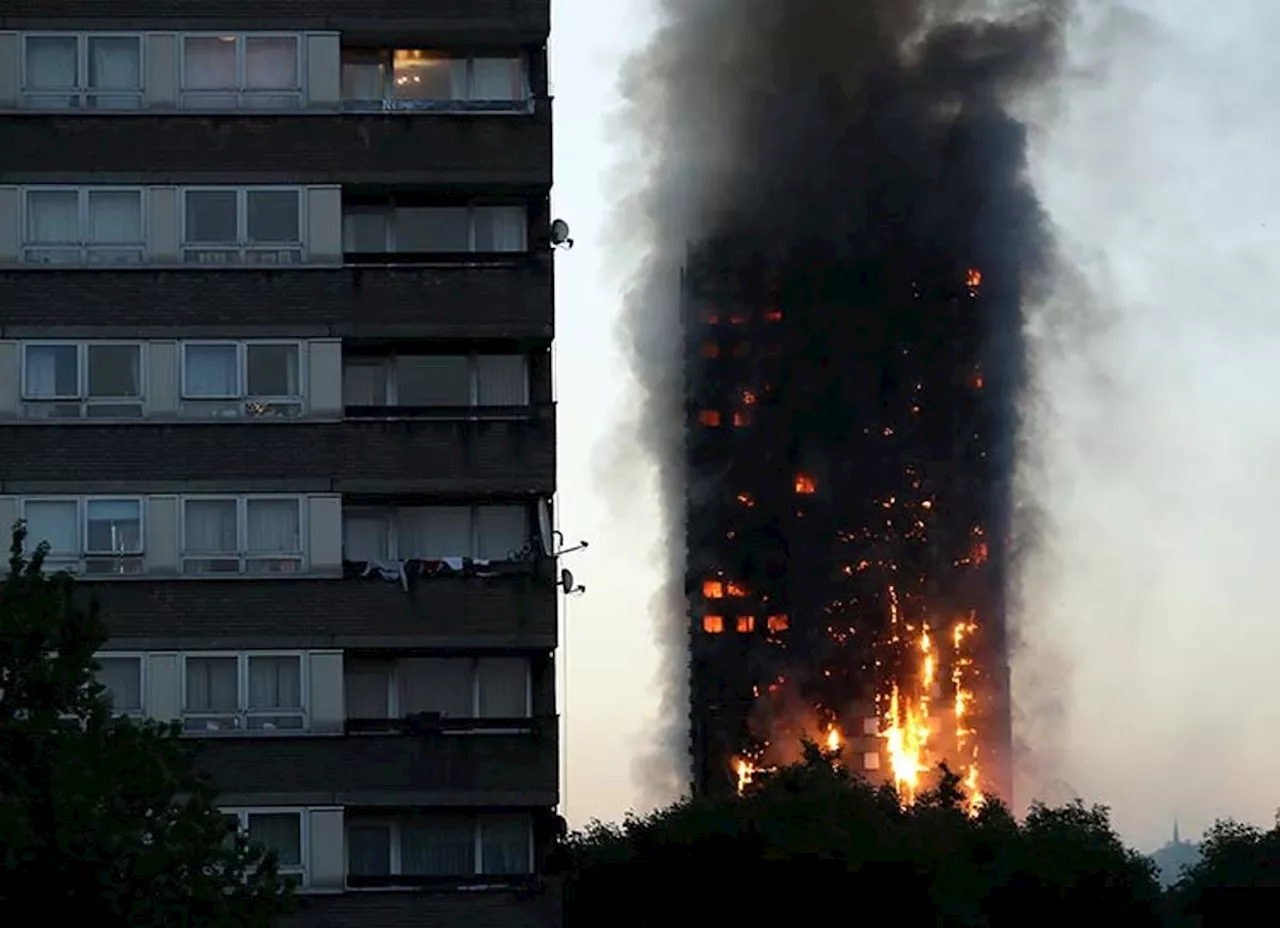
(842,507)
(275,327)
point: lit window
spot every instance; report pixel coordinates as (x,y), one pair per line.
(92,72)
(713,589)
(741,419)
(412,78)
(773,315)
(746,624)
(736,590)
(709,418)
(713,624)
(778,623)
(805,485)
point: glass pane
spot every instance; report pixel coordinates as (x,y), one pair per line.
(272,370)
(211,217)
(500,228)
(275,683)
(501,380)
(115,63)
(114,371)
(440,847)
(496,79)
(210,371)
(209,63)
(362,75)
(502,532)
(274,526)
(55,522)
(209,526)
(367,688)
(504,687)
(441,229)
(270,63)
(365,232)
(53,217)
(52,372)
(273,216)
(114,526)
(364,384)
(435,532)
(364,538)
(51,63)
(423,75)
(368,850)
(122,677)
(437,684)
(115,217)
(433,380)
(504,845)
(280,832)
(212,684)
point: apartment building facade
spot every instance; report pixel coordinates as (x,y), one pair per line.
(275,383)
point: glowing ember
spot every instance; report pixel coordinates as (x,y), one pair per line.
(805,485)
(709,418)
(973,278)
(833,739)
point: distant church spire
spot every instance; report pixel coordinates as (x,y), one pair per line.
(1176,839)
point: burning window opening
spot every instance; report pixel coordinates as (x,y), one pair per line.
(713,624)
(709,418)
(749,398)
(713,589)
(973,278)
(739,319)
(746,499)
(773,315)
(777,623)
(741,419)
(805,485)
(746,624)
(736,590)
(711,350)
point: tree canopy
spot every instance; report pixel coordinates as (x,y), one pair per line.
(104,819)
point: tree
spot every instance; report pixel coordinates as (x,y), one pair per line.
(1235,880)
(816,840)
(103,819)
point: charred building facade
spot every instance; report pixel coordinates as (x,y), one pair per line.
(275,326)
(847,469)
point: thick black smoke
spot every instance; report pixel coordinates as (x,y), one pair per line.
(848,163)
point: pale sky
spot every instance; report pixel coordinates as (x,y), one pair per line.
(1149,603)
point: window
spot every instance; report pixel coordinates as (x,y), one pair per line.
(237,693)
(406,78)
(230,225)
(436,533)
(456,688)
(438,846)
(83,225)
(280,831)
(241,71)
(121,677)
(94,536)
(66,380)
(237,535)
(68,71)
(441,381)
(435,229)
(233,379)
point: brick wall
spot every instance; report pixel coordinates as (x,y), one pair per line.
(448,909)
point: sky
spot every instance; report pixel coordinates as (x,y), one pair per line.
(1146,607)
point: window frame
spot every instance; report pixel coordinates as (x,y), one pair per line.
(83,398)
(240,92)
(388,100)
(83,247)
(244,400)
(387,363)
(395,862)
(242,555)
(303,870)
(80,562)
(391,514)
(242,247)
(395,713)
(141,658)
(82,92)
(388,212)
(240,717)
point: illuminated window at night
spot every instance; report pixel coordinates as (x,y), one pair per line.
(713,624)
(738,318)
(711,350)
(773,315)
(746,500)
(746,624)
(713,589)
(741,419)
(749,398)
(710,418)
(777,623)
(805,485)
(736,589)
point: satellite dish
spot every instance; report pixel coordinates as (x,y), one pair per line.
(566,580)
(560,234)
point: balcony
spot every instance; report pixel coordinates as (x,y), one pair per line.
(476,21)
(510,299)
(393,148)
(389,771)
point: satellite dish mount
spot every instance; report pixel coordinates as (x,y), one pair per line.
(560,235)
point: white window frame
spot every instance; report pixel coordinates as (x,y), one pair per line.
(388,366)
(241,95)
(303,870)
(393,689)
(388,212)
(244,404)
(82,93)
(391,514)
(396,863)
(141,658)
(389,101)
(82,397)
(240,717)
(242,251)
(243,555)
(84,250)
(81,563)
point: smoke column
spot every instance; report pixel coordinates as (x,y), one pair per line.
(862,154)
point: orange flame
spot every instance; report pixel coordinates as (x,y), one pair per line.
(805,485)
(713,624)
(713,589)
(973,278)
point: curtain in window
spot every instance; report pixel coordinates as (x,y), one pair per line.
(114,526)
(504,845)
(500,228)
(502,531)
(115,63)
(495,79)
(115,371)
(212,684)
(51,63)
(122,677)
(367,688)
(55,522)
(363,74)
(435,532)
(210,371)
(436,684)
(52,371)
(275,683)
(270,63)
(209,527)
(280,832)
(53,217)
(368,850)
(364,538)
(503,685)
(502,380)
(433,380)
(209,63)
(438,847)
(364,384)
(272,370)
(115,217)
(274,526)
